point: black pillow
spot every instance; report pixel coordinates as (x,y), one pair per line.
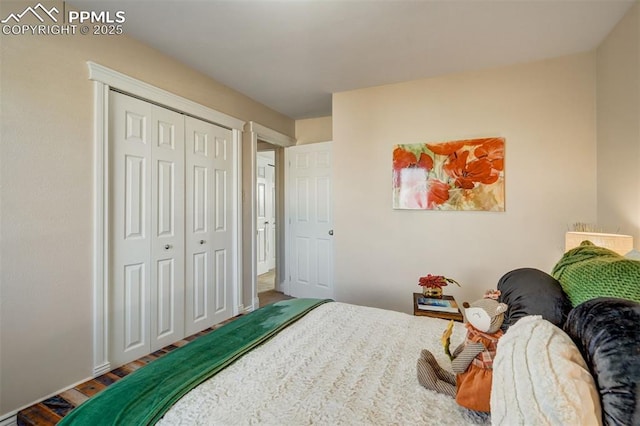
(607,332)
(529,291)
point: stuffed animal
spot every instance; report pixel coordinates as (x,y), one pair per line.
(471,361)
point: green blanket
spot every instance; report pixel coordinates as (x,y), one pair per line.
(144,396)
(589,271)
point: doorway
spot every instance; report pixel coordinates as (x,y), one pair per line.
(266,224)
(257,138)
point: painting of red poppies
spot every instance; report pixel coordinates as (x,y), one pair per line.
(465,174)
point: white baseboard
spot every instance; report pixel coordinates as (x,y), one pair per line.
(246,309)
(9,419)
(284,287)
(99,370)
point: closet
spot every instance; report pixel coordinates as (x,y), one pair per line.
(171,224)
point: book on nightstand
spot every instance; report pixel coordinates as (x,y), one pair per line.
(438,305)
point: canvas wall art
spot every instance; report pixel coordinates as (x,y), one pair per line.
(456,175)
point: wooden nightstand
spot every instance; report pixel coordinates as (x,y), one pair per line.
(442,315)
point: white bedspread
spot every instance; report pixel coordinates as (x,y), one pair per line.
(339,365)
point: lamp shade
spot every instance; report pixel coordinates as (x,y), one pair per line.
(621,244)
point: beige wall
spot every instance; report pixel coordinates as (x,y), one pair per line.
(46,171)
(313,130)
(546,112)
(618,92)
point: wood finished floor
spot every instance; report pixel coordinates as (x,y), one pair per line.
(267,281)
(52,410)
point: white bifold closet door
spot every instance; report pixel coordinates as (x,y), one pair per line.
(171,225)
(209,231)
(147,227)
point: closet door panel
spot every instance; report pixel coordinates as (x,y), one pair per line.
(221,279)
(171,225)
(198,225)
(223,164)
(200,286)
(167,242)
(147,228)
(209,164)
(130,225)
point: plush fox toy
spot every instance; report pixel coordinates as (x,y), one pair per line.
(472,361)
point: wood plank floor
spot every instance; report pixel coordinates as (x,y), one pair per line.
(266,281)
(52,410)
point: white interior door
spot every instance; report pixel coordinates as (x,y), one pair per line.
(262,220)
(130,129)
(147,228)
(310,210)
(209,224)
(167,224)
(271,213)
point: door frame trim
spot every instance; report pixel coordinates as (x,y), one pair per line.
(252,133)
(105,79)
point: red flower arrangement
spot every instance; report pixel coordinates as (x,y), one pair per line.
(436,281)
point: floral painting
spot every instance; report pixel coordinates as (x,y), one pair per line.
(457,175)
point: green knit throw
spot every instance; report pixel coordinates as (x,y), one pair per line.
(142,397)
(589,271)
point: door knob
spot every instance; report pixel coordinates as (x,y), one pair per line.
(167,246)
(266,223)
(330,231)
(202,241)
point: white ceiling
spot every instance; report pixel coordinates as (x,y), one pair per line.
(291,55)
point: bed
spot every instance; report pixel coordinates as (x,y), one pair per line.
(340,364)
(310,361)
(329,363)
